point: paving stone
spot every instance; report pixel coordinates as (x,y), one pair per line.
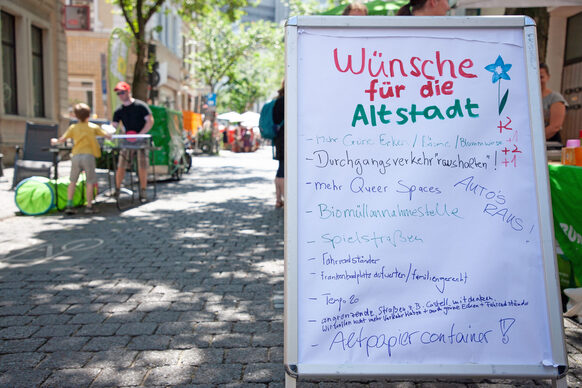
(120,377)
(24,360)
(73,378)
(106,343)
(276,354)
(98,329)
(149,342)
(251,327)
(152,358)
(213,327)
(173,328)
(268,339)
(169,375)
(48,309)
(161,316)
(137,328)
(57,331)
(65,360)
(112,298)
(21,345)
(80,308)
(197,316)
(265,373)
(51,319)
(57,344)
(217,373)
(187,341)
(15,332)
(14,320)
(87,318)
(23,377)
(231,341)
(201,356)
(116,358)
(246,355)
(124,317)
(15,310)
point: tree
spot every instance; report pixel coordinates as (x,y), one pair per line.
(221,48)
(137,13)
(253,79)
(310,7)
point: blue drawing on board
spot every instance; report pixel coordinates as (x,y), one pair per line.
(499,70)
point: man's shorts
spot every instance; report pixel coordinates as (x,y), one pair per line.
(83,162)
(126,154)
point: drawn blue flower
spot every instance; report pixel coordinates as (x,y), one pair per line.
(499,69)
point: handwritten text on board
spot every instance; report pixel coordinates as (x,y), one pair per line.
(417,207)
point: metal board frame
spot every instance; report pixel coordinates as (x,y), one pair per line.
(555,322)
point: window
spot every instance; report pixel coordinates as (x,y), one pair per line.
(573,51)
(37,72)
(9,64)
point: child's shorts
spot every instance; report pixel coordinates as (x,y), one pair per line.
(83,162)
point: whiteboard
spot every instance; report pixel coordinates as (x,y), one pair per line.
(418,227)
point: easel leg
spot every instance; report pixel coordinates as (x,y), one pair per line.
(560,383)
(290,382)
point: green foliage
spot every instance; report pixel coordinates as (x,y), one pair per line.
(306,7)
(138,12)
(240,63)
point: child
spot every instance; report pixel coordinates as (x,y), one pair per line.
(85,150)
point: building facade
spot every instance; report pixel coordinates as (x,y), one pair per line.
(88,49)
(34,69)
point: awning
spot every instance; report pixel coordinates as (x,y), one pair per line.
(233,117)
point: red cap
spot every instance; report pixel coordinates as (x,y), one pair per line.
(122,86)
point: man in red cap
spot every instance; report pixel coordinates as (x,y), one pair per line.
(136,117)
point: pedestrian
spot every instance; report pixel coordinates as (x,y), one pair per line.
(85,149)
(279,141)
(554,106)
(137,118)
(355,9)
(424,8)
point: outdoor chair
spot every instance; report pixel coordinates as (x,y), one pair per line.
(36,158)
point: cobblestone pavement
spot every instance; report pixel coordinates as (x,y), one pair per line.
(186,290)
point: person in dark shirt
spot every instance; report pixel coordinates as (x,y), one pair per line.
(136,118)
(554,106)
(279,141)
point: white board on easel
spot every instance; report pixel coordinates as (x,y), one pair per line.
(419,239)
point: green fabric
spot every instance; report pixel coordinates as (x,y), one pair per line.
(34,196)
(79,196)
(566,190)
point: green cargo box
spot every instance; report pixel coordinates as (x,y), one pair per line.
(168,137)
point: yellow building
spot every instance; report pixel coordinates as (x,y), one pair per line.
(87,50)
(34,69)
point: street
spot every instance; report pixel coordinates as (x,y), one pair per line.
(185,290)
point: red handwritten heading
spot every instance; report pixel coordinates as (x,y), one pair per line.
(427,68)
